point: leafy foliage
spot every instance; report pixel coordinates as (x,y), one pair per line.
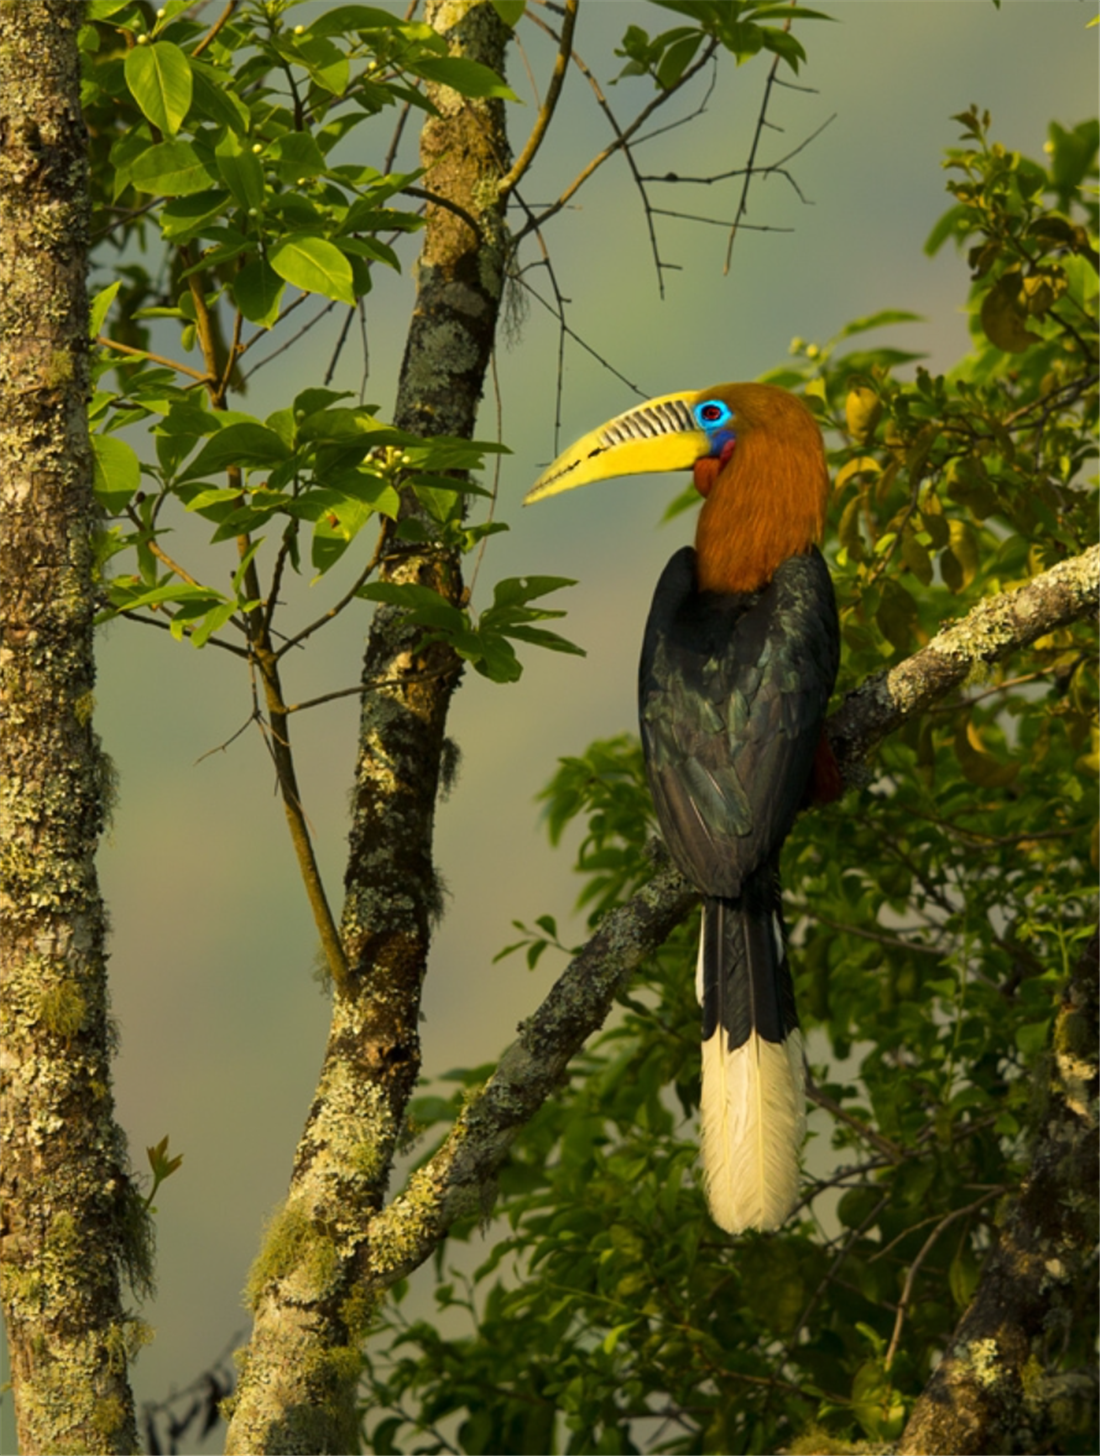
(741,26)
(217,150)
(935,913)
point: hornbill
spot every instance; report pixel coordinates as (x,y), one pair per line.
(739,658)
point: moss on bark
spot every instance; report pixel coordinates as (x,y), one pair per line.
(69,1222)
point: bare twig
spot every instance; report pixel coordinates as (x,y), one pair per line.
(348,597)
(426,674)
(222,19)
(437,200)
(821,1099)
(622,135)
(546,111)
(289,343)
(914,1268)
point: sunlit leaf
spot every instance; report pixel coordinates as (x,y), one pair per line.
(116,472)
(313,265)
(159,78)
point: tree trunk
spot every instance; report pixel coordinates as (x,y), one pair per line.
(298,1382)
(989,1392)
(72,1217)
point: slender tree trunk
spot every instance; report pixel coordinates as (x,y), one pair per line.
(298,1382)
(72,1218)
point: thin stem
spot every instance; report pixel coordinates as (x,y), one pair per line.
(167,627)
(349,596)
(546,111)
(880,936)
(884,1145)
(282,755)
(212,32)
(425,675)
(438,201)
(156,358)
(914,1268)
(622,136)
(231,359)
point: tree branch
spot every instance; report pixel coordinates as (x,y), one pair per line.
(459,1179)
(546,111)
(992,631)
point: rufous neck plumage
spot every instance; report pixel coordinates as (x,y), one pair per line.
(765,495)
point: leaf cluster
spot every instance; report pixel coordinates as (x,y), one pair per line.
(218,150)
(744,28)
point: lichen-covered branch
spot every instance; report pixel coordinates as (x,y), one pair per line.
(72,1221)
(460,1177)
(997,627)
(989,1393)
(298,1381)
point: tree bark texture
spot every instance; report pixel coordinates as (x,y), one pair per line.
(989,1392)
(312,1304)
(72,1218)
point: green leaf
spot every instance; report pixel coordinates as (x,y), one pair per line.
(493,658)
(214,101)
(159,78)
(188,217)
(100,307)
(174,169)
(1031,1039)
(297,156)
(422,603)
(510,11)
(468,78)
(128,596)
(326,63)
(241,170)
(955,223)
(540,637)
(313,265)
(1004,315)
(344,18)
(518,590)
(116,473)
(244,444)
(257,289)
(879,320)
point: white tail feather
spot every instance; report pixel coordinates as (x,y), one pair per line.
(753,1122)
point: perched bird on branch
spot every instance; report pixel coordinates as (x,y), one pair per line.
(739,658)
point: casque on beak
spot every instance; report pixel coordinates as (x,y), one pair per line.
(661,434)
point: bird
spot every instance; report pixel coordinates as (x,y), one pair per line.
(739,658)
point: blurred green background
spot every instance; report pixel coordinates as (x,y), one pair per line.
(222,1025)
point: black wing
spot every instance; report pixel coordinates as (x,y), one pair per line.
(732,695)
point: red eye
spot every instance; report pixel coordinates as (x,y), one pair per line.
(711,412)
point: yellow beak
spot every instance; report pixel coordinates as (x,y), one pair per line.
(659,435)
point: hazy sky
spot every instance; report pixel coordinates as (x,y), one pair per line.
(222,1026)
